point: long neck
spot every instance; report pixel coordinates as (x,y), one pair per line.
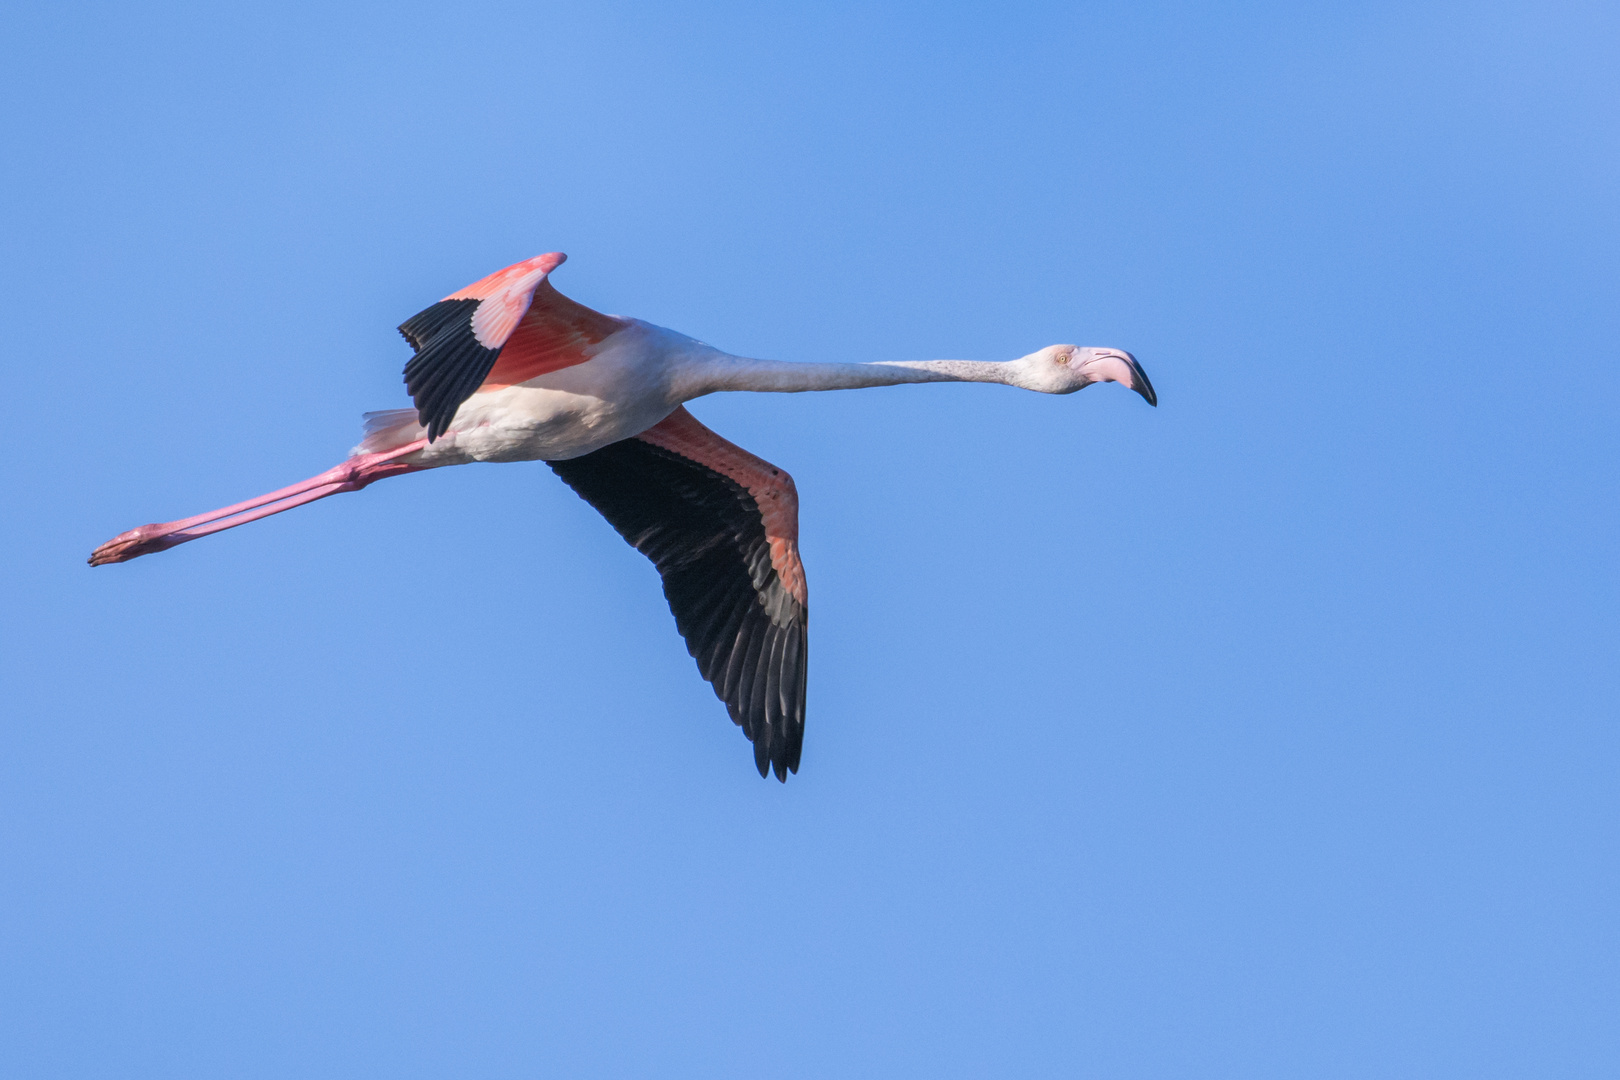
(717,371)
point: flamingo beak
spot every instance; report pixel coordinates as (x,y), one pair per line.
(1117,365)
(1139,381)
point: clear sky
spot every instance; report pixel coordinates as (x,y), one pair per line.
(1271,733)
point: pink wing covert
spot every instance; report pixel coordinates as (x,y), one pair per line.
(771,488)
(506,295)
(555,333)
(461,341)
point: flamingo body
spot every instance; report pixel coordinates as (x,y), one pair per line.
(616,388)
(509,369)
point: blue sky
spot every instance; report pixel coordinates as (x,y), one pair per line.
(1271,733)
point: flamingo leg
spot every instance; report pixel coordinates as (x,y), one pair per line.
(351,475)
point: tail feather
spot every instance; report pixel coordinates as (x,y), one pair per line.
(389,429)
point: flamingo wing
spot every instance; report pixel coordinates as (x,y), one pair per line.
(722,527)
(507,328)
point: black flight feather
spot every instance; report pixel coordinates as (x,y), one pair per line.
(704,533)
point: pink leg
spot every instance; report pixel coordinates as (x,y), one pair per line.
(352,475)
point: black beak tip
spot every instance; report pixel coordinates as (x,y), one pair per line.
(1143,385)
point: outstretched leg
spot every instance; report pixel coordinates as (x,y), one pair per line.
(352,475)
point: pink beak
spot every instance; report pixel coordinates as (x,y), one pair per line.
(1121,367)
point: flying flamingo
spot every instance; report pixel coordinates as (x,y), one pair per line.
(509,369)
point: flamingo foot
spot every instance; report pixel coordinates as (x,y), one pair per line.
(142,541)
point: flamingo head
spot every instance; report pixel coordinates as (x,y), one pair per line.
(1063,369)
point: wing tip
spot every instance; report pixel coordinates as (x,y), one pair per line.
(779,759)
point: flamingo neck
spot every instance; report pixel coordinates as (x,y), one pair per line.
(721,371)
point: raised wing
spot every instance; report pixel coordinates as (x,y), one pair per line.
(722,527)
(507,328)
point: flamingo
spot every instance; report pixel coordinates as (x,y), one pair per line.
(509,369)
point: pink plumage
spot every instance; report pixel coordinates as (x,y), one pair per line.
(509,369)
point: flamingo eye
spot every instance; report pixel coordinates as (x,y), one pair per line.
(1062,358)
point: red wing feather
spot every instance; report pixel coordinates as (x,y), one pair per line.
(772,489)
(460,340)
(555,333)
